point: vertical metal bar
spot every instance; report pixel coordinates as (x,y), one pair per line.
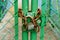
(33,35)
(25,10)
(16,19)
(34,6)
(43,19)
(25,7)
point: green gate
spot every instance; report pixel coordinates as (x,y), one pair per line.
(49,28)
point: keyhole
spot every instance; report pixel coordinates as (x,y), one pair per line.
(29,5)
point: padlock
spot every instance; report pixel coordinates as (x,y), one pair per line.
(30,26)
(30,23)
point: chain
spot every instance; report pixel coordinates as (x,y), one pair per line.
(33,20)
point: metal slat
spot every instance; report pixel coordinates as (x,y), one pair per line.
(33,35)
(25,11)
(16,19)
(43,19)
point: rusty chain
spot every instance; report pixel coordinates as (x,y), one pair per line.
(33,19)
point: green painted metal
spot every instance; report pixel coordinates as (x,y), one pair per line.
(24,35)
(16,19)
(0,14)
(43,19)
(3,5)
(33,35)
(25,11)
(45,13)
(34,7)
(25,7)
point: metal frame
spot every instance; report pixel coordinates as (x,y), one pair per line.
(43,19)
(16,19)
(25,11)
